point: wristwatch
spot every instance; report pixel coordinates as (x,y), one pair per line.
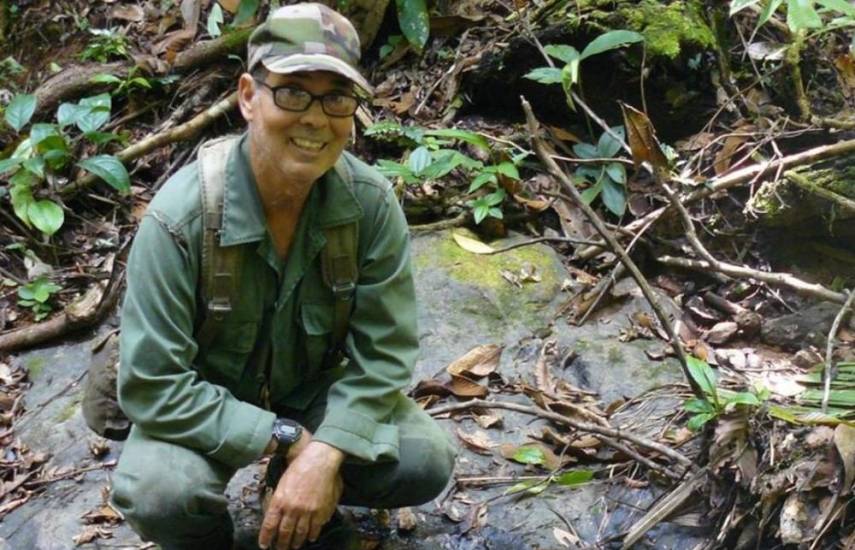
(286,432)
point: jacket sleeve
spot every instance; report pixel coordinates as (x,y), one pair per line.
(158,388)
(382,343)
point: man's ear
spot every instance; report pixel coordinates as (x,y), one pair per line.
(246,92)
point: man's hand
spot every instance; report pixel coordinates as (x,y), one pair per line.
(305,497)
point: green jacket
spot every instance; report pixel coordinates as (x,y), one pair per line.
(209,399)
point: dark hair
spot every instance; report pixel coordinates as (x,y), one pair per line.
(259,72)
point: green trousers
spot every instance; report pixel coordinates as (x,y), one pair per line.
(173,495)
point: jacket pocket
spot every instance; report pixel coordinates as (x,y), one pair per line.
(224,362)
(317,320)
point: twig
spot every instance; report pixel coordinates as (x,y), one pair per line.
(597,430)
(844,202)
(737,177)
(457,221)
(614,245)
(688,224)
(830,370)
(773,278)
(641,459)
(538,240)
(188,130)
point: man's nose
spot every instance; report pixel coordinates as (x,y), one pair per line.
(314,115)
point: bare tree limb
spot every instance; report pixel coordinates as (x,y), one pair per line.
(773,278)
(614,245)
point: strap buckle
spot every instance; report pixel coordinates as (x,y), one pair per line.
(344,291)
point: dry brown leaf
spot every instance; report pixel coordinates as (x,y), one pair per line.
(230,6)
(471,245)
(90,533)
(642,139)
(102,514)
(478,362)
(128,12)
(478,441)
(427,401)
(722,332)
(565,538)
(845,65)
(463,387)
(563,135)
(407,520)
(431,386)
(488,420)
(537,205)
(724,158)
(173,43)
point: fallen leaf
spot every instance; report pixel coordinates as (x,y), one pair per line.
(642,139)
(230,6)
(471,245)
(511,277)
(128,12)
(103,514)
(431,386)
(565,538)
(407,520)
(720,333)
(488,420)
(478,441)
(478,362)
(90,533)
(724,158)
(463,387)
(531,454)
(536,205)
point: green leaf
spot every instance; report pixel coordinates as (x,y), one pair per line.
(802,15)
(743,398)
(768,11)
(529,454)
(56,158)
(41,131)
(739,5)
(495,213)
(392,169)
(419,160)
(569,77)
(545,75)
(444,161)
(591,193)
(530,486)
(480,212)
(414,22)
(109,169)
(26,293)
(617,172)
(246,10)
(696,405)
(104,78)
(20,110)
(22,197)
(215,19)
(565,53)
(591,174)
(472,138)
(697,422)
(509,170)
(574,477)
(495,197)
(608,146)
(614,197)
(36,166)
(47,216)
(480,180)
(585,151)
(703,375)
(842,6)
(610,41)
(10,164)
(93,112)
(67,114)
(100,138)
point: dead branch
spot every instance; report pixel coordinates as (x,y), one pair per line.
(737,177)
(772,278)
(186,131)
(595,429)
(457,221)
(209,51)
(844,202)
(614,245)
(830,371)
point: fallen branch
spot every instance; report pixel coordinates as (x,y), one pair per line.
(735,178)
(595,429)
(451,223)
(186,131)
(614,245)
(844,202)
(830,370)
(772,278)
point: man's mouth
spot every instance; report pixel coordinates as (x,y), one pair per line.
(308,144)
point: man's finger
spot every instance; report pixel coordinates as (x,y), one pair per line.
(269,526)
(315,529)
(301,531)
(286,531)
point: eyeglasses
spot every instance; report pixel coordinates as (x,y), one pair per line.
(334,104)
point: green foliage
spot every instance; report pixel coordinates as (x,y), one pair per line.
(9,69)
(47,150)
(123,86)
(215,21)
(605,178)
(432,159)
(802,15)
(246,11)
(534,487)
(107,44)
(36,295)
(414,20)
(569,76)
(715,400)
(390,45)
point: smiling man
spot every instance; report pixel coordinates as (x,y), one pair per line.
(270,310)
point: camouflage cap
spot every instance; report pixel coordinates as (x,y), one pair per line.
(307,37)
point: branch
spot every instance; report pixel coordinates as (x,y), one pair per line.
(830,371)
(737,177)
(772,278)
(844,202)
(596,429)
(186,131)
(614,245)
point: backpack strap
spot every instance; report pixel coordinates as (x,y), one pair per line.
(219,280)
(339,268)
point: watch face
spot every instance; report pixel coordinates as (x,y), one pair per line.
(285,432)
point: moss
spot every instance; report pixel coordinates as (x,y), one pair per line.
(68,411)
(615,355)
(667,28)
(35,366)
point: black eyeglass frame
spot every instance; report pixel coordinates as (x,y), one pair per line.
(314,97)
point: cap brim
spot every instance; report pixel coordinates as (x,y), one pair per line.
(294,63)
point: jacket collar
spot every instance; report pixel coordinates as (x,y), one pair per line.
(332,200)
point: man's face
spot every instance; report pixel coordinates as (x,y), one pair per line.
(299,146)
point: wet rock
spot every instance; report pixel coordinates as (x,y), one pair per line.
(809,326)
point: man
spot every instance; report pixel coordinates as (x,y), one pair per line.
(204,407)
